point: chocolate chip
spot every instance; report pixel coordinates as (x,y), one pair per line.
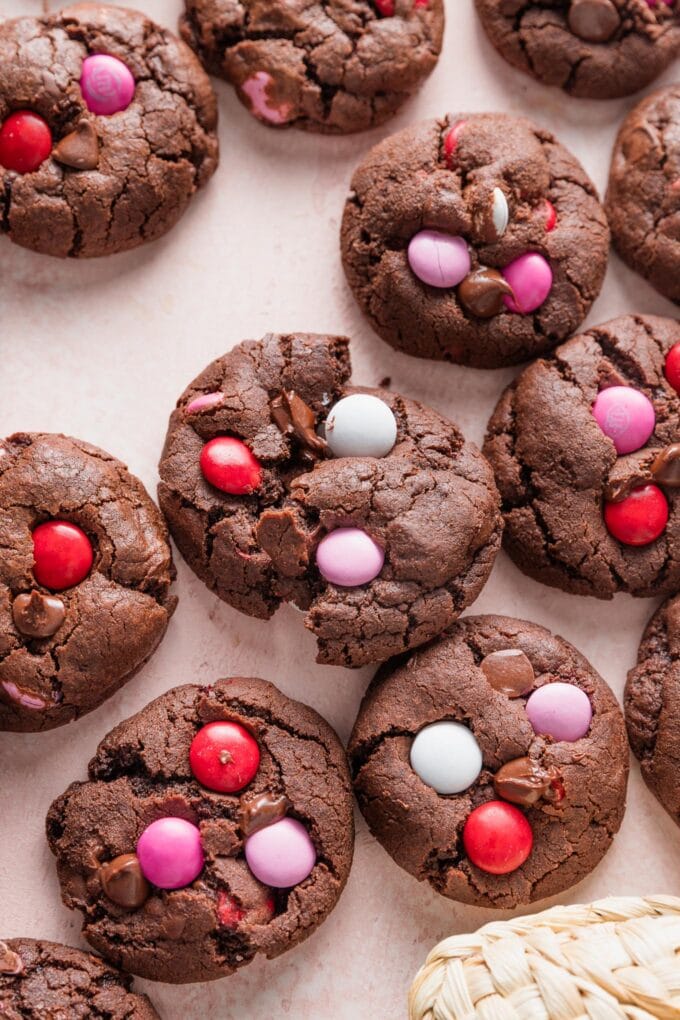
(255,812)
(80,149)
(509,672)
(123,882)
(295,418)
(593,20)
(10,962)
(523,781)
(665,468)
(37,615)
(481,292)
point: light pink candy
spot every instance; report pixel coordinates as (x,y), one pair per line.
(349,557)
(626,416)
(170,853)
(281,855)
(561,711)
(27,700)
(440,260)
(531,279)
(255,88)
(107,84)
(204,401)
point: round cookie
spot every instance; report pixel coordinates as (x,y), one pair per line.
(44,980)
(119,135)
(536,813)
(643,196)
(475,238)
(652,705)
(322,65)
(599,49)
(382,550)
(85,574)
(588,481)
(236,775)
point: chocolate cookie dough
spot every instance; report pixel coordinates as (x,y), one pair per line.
(475,238)
(107,129)
(47,981)
(652,702)
(598,49)
(216,825)
(544,739)
(281,483)
(85,574)
(643,197)
(585,453)
(324,65)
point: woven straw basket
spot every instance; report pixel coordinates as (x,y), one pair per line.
(617,959)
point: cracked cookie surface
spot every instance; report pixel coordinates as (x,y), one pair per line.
(142,771)
(422,830)
(652,704)
(430,503)
(48,981)
(324,65)
(110,622)
(152,157)
(598,49)
(643,196)
(445,175)
(555,467)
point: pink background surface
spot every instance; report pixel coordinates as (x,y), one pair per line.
(101,350)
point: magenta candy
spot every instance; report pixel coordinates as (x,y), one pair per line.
(281,855)
(531,279)
(349,557)
(170,853)
(257,88)
(626,416)
(107,84)
(561,711)
(203,402)
(440,260)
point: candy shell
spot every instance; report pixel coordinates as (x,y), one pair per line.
(361,425)
(281,855)
(349,557)
(446,756)
(626,416)
(438,259)
(561,711)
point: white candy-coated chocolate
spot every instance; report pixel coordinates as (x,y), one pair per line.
(360,425)
(501,213)
(446,756)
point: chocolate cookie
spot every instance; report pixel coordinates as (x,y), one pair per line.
(652,702)
(492,763)
(643,197)
(585,452)
(47,981)
(476,238)
(216,824)
(383,531)
(107,129)
(85,574)
(323,65)
(599,49)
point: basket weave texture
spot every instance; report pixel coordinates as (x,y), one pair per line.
(616,959)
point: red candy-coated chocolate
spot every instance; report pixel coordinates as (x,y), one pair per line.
(497,837)
(25,142)
(550,216)
(224,757)
(640,518)
(672,368)
(62,555)
(230,913)
(451,140)
(386,7)
(228,464)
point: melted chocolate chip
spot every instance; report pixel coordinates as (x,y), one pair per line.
(10,962)
(523,781)
(255,812)
(593,20)
(295,418)
(123,882)
(665,468)
(481,292)
(38,616)
(80,149)
(509,672)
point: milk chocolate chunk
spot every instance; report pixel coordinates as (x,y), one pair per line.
(123,882)
(509,672)
(294,417)
(593,20)
(80,149)
(665,467)
(255,812)
(481,293)
(38,616)
(10,962)
(523,781)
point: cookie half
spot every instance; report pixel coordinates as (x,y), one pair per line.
(475,238)
(584,449)
(492,763)
(85,577)
(216,824)
(328,66)
(282,483)
(107,130)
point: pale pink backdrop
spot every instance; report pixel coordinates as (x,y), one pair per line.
(102,349)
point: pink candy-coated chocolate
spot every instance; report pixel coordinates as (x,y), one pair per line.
(626,416)
(531,279)
(170,853)
(203,402)
(256,89)
(107,84)
(561,711)
(440,260)
(281,855)
(349,557)
(27,700)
